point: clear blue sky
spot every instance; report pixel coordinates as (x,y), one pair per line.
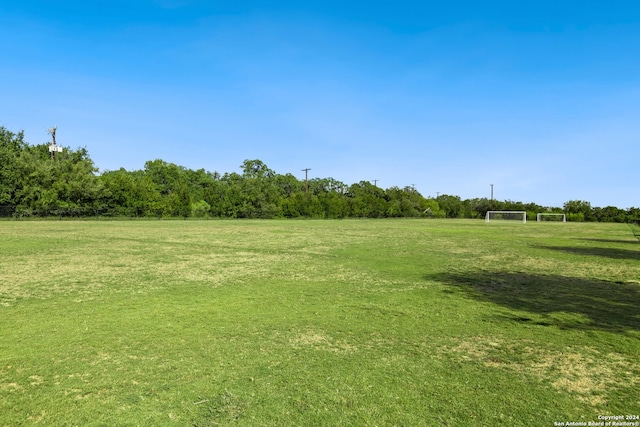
(540,98)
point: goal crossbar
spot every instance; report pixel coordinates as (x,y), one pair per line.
(506,215)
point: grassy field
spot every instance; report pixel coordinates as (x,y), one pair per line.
(371,322)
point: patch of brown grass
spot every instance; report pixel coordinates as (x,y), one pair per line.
(318,340)
(584,372)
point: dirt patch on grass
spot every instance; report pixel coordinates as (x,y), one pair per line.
(585,372)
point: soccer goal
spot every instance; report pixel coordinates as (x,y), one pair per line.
(506,215)
(551,216)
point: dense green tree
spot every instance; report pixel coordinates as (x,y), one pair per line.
(633,215)
(366,200)
(11,146)
(478,208)
(432,209)
(303,204)
(288,184)
(230,192)
(172,182)
(35,190)
(200,182)
(131,194)
(334,204)
(256,169)
(451,205)
(200,209)
(405,202)
(609,214)
(180,199)
(65,185)
(164,175)
(578,210)
(260,193)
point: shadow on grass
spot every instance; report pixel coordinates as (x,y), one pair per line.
(614,253)
(633,242)
(566,302)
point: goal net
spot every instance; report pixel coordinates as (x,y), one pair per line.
(550,216)
(506,215)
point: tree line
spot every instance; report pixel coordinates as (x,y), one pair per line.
(32,184)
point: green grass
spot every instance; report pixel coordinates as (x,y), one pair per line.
(406,322)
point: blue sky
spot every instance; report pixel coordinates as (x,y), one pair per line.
(539,98)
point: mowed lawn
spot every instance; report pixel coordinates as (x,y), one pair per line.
(353,322)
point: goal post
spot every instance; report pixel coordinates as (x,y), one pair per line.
(551,216)
(506,215)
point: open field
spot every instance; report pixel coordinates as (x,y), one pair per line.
(372,322)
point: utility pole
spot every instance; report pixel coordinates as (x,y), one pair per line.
(437,194)
(306,178)
(491,196)
(375,182)
(53,148)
